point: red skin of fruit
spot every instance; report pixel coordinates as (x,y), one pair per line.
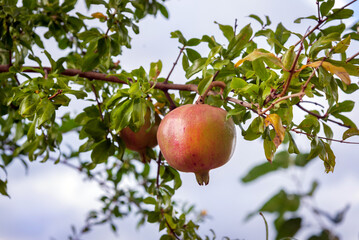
(197,138)
(142,139)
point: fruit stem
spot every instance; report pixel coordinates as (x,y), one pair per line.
(202,177)
(143,156)
(201,98)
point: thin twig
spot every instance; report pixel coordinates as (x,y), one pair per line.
(97,100)
(171,230)
(55,94)
(352,57)
(235,26)
(201,98)
(175,63)
(158,170)
(322,117)
(315,103)
(266,224)
(292,70)
(299,95)
(324,138)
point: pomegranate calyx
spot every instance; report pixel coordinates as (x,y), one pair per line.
(202,177)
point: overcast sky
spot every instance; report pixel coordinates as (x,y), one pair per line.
(49,199)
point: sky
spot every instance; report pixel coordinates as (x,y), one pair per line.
(49,199)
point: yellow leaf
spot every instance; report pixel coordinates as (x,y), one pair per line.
(276,122)
(98,15)
(257,54)
(339,71)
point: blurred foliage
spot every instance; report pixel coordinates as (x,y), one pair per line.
(264,87)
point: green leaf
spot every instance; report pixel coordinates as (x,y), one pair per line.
(256,18)
(96,129)
(280,203)
(227,31)
(238,83)
(281,35)
(166,237)
(237,43)
(345,120)
(325,7)
(339,13)
(281,160)
(342,46)
(288,58)
(328,157)
(51,60)
(255,129)
(204,84)
(289,228)
(193,42)
(45,111)
(192,54)
(302,159)
(31,132)
(260,69)
(327,131)
(3,188)
(178,34)
(29,4)
(150,200)
(90,35)
(345,106)
(153,217)
(121,115)
(29,104)
(170,222)
(197,66)
(163,10)
(292,148)
(269,149)
(185,63)
(103,46)
(102,151)
(220,64)
(350,133)
(155,70)
(91,60)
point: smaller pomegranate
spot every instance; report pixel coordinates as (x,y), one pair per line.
(145,137)
(197,138)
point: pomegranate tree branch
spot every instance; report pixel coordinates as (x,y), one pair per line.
(114,79)
(55,94)
(352,57)
(292,70)
(98,102)
(323,20)
(322,117)
(318,10)
(159,160)
(324,138)
(175,63)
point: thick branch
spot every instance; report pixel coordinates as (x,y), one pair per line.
(104,77)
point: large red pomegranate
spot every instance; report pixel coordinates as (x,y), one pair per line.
(145,137)
(197,138)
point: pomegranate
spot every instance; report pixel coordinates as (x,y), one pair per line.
(144,138)
(197,138)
